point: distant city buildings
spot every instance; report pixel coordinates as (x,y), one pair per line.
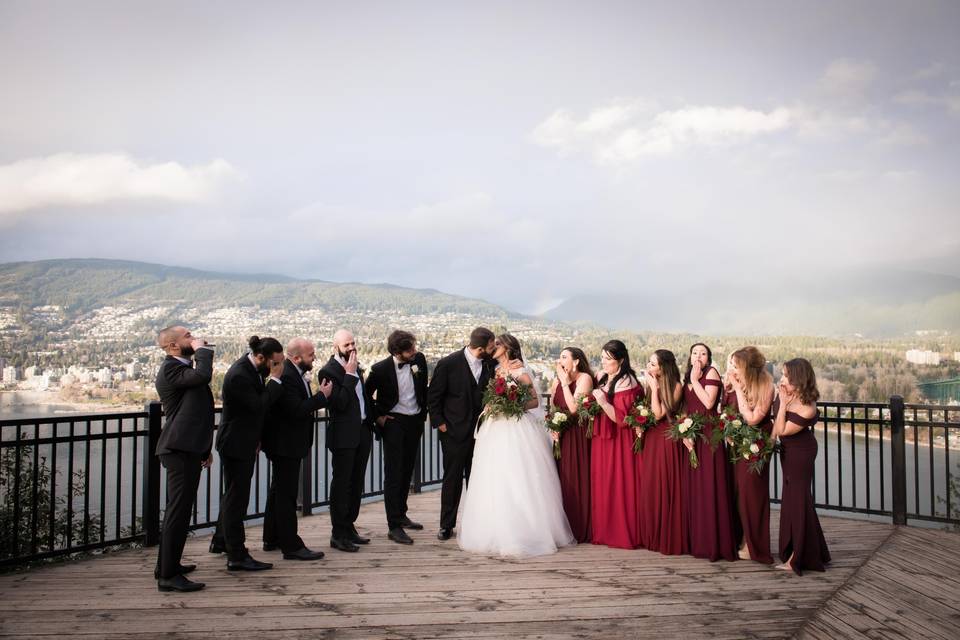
(917,356)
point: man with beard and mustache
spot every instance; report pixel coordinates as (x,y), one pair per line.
(349,440)
(246,400)
(455,399)
(397,396)
(287,438)
(184,445)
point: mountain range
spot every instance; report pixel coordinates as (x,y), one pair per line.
(873,303)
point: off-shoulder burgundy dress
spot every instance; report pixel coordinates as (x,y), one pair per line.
(800,532)
(662,526)
(706,491)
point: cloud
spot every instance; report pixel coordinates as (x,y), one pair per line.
(932,70)
(622,132)
(950,103)
(68,179)
(846,78)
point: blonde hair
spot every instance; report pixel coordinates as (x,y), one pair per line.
(757,381)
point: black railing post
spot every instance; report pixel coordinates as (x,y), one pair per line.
(306,485)
(898,455)
(416,483)
(151,476)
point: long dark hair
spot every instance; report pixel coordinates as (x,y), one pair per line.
(686,375)
(582,365)
(512,345)
(618,351)
(802,377)
(264,346)
(669,378)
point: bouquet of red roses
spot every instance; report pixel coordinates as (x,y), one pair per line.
(751,445)
(640,417)
(689,426)
(730,422)
(587,410)
(506,396)
(558,422)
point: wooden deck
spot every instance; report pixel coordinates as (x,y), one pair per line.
(884,582)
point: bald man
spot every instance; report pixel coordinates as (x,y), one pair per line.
(184,445)
(287,439)
(349,440)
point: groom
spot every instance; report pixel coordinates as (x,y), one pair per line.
(455,399)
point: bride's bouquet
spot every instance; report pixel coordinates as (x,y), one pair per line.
(557,422)
(640,417)
(506,396)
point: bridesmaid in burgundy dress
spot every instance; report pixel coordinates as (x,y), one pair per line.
(802,545)
(706,489)
(661,511)
(614,468)
(750,390)
(574,381)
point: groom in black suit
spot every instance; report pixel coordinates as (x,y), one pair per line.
(397,396)
(455,399)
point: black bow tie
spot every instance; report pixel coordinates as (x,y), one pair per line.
(401,365)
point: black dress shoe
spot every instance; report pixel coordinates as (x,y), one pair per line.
(399,535)
(178,583)
(218,546)
(343,545)
(407,523)
(445,534)
(270,546)
(248,564)
(303,554)
(356,538)
(184,568)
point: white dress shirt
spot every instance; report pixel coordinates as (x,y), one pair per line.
(363,406)
(476,365)
(407,403)
(305,378)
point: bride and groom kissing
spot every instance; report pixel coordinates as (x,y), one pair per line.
(513,504)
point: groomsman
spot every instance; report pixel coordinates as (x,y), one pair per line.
(455,399)
(184,445)
(397,397)
(287,438)
(246,400)
(349,440)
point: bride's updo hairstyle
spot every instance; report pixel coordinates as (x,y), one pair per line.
(618,351)
(512,345)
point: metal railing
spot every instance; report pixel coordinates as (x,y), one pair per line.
(86,482)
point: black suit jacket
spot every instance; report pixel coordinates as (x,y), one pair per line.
(345,429)
(288,430)
(382,389)
(245,404)
(454,397)
(187,404)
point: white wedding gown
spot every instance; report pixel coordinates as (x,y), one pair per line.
(513,505)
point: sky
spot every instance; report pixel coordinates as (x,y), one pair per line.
(523,153)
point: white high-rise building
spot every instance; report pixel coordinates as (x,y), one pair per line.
(916,356)
(105,376)
(10,374)
(133,370)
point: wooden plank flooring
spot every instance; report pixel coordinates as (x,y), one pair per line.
(432,590)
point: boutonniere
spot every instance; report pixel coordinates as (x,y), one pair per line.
(414,369)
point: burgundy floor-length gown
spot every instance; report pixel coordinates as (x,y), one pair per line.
(800,532)
(752,494)
(708,502)
(662,526)
(574,469)
(615,477)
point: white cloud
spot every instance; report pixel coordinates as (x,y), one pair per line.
(848,78)
(932,70)
(68,179)
(623,132)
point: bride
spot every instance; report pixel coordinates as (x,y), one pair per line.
(513,505)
